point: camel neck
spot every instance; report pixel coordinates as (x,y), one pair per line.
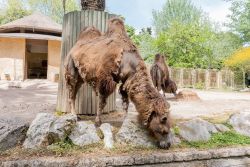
(141,90)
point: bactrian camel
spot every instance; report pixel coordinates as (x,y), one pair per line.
(105,60)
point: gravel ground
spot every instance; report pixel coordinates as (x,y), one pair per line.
(22,104)
(212,104)
(34,96)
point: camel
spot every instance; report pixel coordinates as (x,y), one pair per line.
(160,76)
(103,61)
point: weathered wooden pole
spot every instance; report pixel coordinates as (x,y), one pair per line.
(73,23)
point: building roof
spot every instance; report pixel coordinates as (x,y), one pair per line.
(30,36)
(34,22)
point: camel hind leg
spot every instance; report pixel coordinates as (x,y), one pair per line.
(73,83)
(105,87)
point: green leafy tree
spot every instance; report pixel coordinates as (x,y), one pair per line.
(240,18)
(131,33)
(188,38)
(14,9)
(181,11)
(185,46)
(147,46)
(223,45)
(54,8)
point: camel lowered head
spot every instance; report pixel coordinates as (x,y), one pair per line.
(159,123)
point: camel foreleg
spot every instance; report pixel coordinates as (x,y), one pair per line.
(102,104)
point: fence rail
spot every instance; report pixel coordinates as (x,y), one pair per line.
(205,78)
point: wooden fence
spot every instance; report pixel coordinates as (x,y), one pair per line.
(202,78)
(73,23)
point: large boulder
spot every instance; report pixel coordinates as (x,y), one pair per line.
(241,123)
(108,135)
(196,130)
(84,133)
(133,133)
(11,134)
(187,95)
(47,128)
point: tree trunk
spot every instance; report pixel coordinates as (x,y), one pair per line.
(93,5)
(64,6)
(73,23)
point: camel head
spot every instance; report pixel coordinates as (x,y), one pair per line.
(170,87)
(159,123)
(159,58)
(116,26)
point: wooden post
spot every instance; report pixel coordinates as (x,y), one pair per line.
(73,23)
(181,78)
(207,80)
(218,79)
(193,77)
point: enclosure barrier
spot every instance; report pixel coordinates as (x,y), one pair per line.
(203,78)
(73,23)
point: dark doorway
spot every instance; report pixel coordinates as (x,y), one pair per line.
(36,59)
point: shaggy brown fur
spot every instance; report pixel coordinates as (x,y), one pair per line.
(103,61)
(160,76)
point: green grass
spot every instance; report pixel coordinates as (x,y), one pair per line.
(200,85)
(230,138)
(176,130)
(59,113)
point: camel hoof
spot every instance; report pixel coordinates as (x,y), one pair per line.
(98,122)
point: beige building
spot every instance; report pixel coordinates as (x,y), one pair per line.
(30,48)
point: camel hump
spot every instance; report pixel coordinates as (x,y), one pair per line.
(89,33)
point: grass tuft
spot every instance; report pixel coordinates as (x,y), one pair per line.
(59,113)
(176,130)
(217,140)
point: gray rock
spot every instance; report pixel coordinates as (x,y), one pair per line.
(196,130)
(133,133)
(241,123)
(108,135)
(175,140)
(84,134)
(63,126)
(221,128)
(46,129)
(12,134)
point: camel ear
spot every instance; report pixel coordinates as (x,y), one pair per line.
(150,117)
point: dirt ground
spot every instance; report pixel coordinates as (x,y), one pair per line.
(22,104)
(34,96)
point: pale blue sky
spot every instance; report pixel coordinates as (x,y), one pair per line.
(138,13)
